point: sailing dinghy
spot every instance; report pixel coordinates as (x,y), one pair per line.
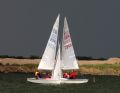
(64,59)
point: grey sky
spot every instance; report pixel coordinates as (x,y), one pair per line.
(25,26)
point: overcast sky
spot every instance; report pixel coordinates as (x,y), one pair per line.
(25,26)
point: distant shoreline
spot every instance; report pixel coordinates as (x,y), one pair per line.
(93,67)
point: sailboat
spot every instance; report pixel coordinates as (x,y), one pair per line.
(64,59)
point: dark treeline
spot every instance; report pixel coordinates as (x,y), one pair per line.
(20,57)
(37,57)
(90,58)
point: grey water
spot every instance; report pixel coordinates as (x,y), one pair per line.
(16,83)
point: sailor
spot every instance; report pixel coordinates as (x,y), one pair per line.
(47,75)
(37,74)
(66,75)
(73,75)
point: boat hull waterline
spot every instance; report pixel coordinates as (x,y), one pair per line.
(60,81)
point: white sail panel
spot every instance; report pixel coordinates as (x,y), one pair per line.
(68,56)
(48,58)
(57,73)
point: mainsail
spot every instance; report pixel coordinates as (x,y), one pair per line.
(68,55)
(48,58)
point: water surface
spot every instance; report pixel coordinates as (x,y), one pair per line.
(16,83)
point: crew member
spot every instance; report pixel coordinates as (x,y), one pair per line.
(65,75)
(73,75)
(47,75)
(37,74)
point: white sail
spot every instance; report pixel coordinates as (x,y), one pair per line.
(57,73)
(48,58)
(68,56)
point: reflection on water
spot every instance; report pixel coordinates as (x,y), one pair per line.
(16,83)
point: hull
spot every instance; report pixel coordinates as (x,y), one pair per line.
(61,81)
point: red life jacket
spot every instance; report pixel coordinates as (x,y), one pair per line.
(73,74)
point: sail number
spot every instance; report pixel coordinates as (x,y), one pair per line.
(67,40)
(53,39)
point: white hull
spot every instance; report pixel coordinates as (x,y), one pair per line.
(61,81)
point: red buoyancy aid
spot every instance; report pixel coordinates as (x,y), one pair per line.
(73,74)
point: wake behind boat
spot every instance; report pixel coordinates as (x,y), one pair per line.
(64,59)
